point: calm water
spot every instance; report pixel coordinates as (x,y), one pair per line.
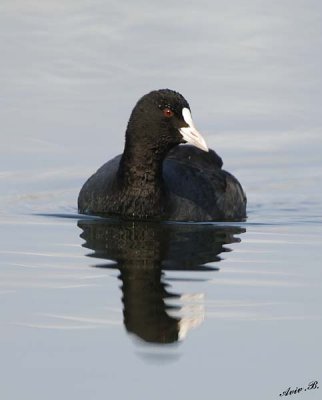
(98,309)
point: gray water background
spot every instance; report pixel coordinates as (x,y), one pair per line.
(70,73)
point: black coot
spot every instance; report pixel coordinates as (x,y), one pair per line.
(155,178)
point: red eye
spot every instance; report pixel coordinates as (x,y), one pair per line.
(167,112)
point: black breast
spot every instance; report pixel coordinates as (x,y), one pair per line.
(195,188)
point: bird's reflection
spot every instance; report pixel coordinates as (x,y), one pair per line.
(142,251)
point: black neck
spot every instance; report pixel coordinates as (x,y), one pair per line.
(141,183)
(138,168)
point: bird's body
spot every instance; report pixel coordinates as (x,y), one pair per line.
(155,178)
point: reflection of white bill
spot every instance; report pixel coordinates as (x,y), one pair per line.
(191,314)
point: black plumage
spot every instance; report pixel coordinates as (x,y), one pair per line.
(155,178)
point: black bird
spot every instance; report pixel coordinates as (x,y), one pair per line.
(155,178)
